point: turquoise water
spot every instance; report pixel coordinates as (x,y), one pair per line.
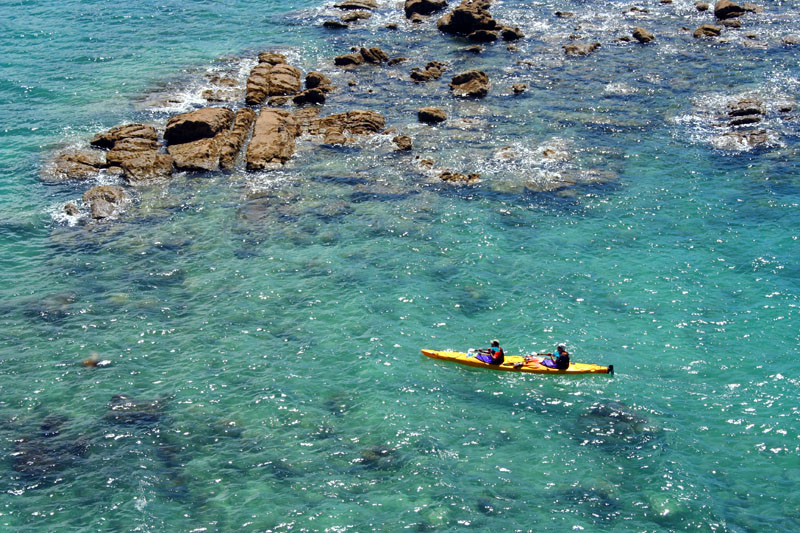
(270,323)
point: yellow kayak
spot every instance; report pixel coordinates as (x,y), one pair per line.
(518,363)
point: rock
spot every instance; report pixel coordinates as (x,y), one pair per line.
(273,58)
(358,4)
(475,49)
(333,137)
(564,14)
(273,139)
(707,30)
(278,101)
(392,26)
(267,79)
(348,60)
(416,18)
(511,34)
(310,96)
(355,16)
(232,141)
(431,115)
(791,40)
(423,7)
(104,200)
(71,210)
(483,36)
(202,154)
(318,80)
(396,61)
(374,55)
(201,124)
(460,178)
(403,142)
(701,6)
(744,120)
(745,106)
(79,165)
(432,71)
(731,23)
(131,147)
(725,9)
(147,166)
(642,35)
(470,84)
(126,131)
(123,409)
(468,17)
(580,49)
(335,25)
(356,122)
(752,8)
(751,138)
(519,88)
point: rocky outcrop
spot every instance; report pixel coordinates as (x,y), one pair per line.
(431,115)
(707,30)
(273,139)
(642,35)
(468,17)
(109,138)
(147,166)
(232,141)
(358,4)
(104,200)
(423,7)
(745,112)
(725,9)
(354,122)
(196,155)
(432,71)
(355,16)
(470,84)
(372,55)
(201,124)
(79,165)
(580,49)
(271,77)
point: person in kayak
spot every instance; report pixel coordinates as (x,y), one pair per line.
(559,361)
(493,356)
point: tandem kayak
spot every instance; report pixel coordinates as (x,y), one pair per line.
(518,363)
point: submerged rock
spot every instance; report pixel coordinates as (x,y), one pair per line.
(580,49)
(470,84)
(105,200)
(468,179)
(123,409)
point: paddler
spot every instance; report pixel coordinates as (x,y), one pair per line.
(494,355)
(560,361)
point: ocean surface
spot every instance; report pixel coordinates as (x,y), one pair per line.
(267,326)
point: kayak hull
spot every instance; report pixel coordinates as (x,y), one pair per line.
(511,363)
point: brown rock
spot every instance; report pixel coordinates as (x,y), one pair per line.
(104,200)
(335,25)
(642,35)
(126,131)
(348,60)
(731,23)
(79,165)
(374,55)
(333,136)
(356,122)
(268,79)
(72,210)
(468,17)
(403,142)
(580,49)
(273,58)
(147,166)
(310,96)
(743,120)
(432,71)
(396,61)
(474,49)
(201,124)
(745,106)
(319,80)
(128,148)
(470,84)
(355,16)
(273,139)
(707,30)
(431,115)
(564,14)
(231,142)
(701,6)
(423,7)
(519,88)
(791,40)
(752,8)
(511,34)
(750,137)
(725,9)
(483,36)
(358,4)
(460,178)
(202,154)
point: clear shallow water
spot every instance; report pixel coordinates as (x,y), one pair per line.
(277,317)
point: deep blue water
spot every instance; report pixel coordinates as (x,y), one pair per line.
(269,324)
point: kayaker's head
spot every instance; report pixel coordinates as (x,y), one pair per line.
(561,348)
(496,343)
